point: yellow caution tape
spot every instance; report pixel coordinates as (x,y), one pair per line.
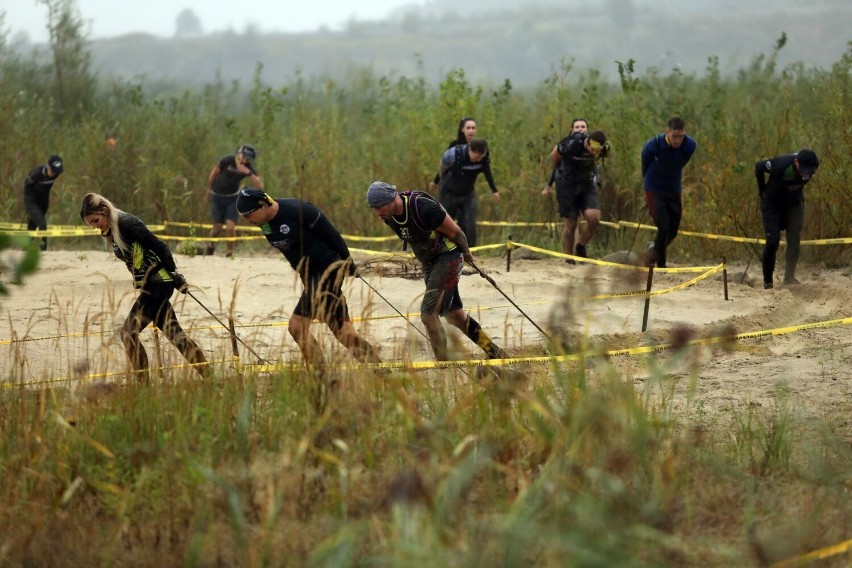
(420,365)
(597,262)
(68,231)
(681,286)
(826,552)
(73,231)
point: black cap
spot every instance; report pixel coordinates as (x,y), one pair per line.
(808,162)
(248,151)
(55,163)
(250,199)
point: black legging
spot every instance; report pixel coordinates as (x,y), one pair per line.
(666,211)
(776,218)
(153,305)
(35,204)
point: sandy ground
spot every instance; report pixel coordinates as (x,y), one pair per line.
(62,323)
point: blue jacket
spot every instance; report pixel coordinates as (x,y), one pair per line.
(662,165)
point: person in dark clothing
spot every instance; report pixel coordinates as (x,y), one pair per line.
(37,186)
(223,184)
(464,135)
(155,275)
(319,255)
(576,161)
(460,165)
(577,125)
(663,159)
(441,247)
(782,206)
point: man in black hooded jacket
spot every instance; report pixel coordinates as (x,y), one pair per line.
(782,206)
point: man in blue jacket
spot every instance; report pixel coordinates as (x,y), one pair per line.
(663,159)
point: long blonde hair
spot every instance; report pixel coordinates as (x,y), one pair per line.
(94,203)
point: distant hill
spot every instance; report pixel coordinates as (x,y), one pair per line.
(500,42)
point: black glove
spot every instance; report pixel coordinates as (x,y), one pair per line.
(180,282)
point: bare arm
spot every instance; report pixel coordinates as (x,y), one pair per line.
(256,181)
(555,157)
(214,173)
(453,232)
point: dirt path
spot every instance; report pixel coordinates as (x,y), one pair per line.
(63,322)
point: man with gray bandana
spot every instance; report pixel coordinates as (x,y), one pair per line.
(441,247)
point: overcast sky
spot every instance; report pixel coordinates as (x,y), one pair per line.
(107,18)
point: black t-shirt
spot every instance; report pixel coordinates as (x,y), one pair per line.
(229,178)
(305,237)
(418,224)
(576,162)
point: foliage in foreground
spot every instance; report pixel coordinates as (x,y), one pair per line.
(581,469)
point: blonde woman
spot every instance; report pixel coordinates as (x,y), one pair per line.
(152,265)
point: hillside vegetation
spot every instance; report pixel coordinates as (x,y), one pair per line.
(326,140)
(520,42)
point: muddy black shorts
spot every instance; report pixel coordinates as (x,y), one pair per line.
(442,275)
(575,196)
(223,207)
(323,300)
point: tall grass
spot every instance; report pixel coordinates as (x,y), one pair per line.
(326,141)
(581,470)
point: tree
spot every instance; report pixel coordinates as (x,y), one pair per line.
(74,84)
(187,24)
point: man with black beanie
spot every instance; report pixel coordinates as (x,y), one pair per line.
(37,186)
(782,206)
(317,252)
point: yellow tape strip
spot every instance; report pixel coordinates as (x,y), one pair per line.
(841,241)
(681,286)
(390,255)
(369,239)
(550,224)
(190,225)
(419,365)
(826,552)
(73,231)
(205,239)
(581,259)
(255,229)
(66,231)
